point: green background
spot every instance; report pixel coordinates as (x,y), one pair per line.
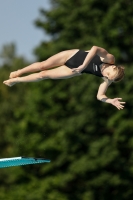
(89,143)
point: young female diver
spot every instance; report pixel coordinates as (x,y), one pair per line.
(96,61)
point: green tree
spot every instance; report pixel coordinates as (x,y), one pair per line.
(89,142)
(8,53)
(85,23)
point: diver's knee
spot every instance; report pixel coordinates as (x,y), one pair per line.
(42,65)
(43,74)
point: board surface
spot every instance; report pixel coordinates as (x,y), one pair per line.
(18,161)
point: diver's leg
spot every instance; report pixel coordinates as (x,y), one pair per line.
(61,72)
(57,60)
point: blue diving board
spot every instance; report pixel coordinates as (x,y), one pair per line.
(18,161)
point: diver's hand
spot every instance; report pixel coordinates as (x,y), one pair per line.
(117,103)
(78,69)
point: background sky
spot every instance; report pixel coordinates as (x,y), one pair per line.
(17,25)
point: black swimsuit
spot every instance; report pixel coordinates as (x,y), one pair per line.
(92,68)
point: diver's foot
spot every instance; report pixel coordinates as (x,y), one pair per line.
(14,74)
(11,82)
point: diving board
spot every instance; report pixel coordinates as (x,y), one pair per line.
(18,161)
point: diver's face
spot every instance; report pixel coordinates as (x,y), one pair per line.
(109,72)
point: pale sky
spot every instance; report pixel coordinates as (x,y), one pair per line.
(17,25)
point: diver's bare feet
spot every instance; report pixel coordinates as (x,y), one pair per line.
(11,82)
(14,74)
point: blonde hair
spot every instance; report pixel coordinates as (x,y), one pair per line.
(120,73)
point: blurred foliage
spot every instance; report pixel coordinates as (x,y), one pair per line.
(90,143)
(82,24)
